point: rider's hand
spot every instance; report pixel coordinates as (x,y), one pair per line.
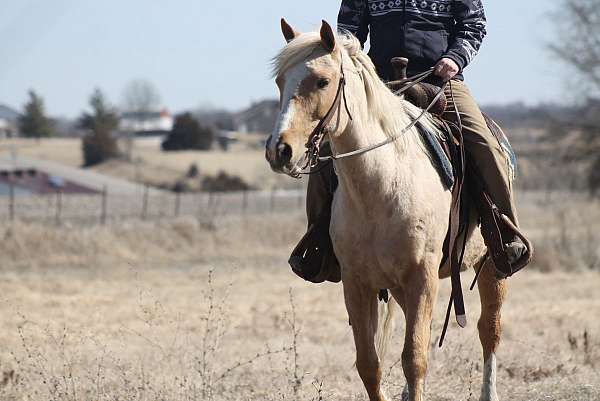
(446,69)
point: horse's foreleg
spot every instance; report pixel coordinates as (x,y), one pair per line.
(492,292)
(420,293)
(361,303)
(400,297)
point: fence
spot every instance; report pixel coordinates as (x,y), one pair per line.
(149,204)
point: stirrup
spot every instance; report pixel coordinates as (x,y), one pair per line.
(493,224)
(313,258)
(523,260)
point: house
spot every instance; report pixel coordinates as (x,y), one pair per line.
(146,123)
(9,119)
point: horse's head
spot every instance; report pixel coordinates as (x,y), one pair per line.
(307,72)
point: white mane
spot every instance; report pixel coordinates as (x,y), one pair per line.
(384,105)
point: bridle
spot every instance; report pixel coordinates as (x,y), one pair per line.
(312,159)
(313,145)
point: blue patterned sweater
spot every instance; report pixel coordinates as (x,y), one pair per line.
(423,31)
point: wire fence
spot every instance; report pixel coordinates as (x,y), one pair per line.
(148,204)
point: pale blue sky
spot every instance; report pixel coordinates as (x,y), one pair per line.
(217,52)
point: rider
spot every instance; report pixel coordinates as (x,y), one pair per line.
(446,35)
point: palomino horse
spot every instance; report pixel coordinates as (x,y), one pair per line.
(390,211)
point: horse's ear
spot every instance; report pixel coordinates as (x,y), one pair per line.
(327,37)
(289,33)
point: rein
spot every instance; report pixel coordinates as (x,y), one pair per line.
(316,137)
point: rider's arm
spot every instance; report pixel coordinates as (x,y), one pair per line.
(469,31)
(354,17)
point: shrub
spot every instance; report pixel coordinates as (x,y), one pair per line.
(224,182)
(188,134)
(99,145)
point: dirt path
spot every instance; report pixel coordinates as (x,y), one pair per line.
(80,176)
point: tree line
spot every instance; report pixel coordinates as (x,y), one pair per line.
(577,45)
(100,122)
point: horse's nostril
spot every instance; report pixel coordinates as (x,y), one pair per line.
(284,152)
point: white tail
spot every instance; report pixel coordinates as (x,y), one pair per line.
(385,326)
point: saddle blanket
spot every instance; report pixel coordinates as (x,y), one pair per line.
(441,159)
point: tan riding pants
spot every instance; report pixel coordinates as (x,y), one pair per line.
(481,146)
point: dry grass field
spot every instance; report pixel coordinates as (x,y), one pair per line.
(208,310)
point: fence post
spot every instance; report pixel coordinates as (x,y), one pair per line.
(58,206)
(215,207)
(104,204)
(272,202)
(211,198)
(11,201)
(200,201)
(145,203)
(245,201)
(177,203)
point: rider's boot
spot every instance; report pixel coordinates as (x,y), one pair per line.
(313,258)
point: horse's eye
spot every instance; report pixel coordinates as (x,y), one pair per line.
(322,83)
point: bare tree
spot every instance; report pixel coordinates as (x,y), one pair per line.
(578,39)
(577,43)
(141,96)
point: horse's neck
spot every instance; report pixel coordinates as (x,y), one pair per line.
(385,170)
(376,173)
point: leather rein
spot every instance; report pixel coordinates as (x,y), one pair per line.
(315,139)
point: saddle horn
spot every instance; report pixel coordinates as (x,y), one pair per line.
(399,65)
(420,94)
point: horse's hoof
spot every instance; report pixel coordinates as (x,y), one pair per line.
(491,396)
(405,393)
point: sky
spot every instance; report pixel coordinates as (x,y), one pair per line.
(216,53)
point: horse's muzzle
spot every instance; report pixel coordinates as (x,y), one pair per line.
(279,156)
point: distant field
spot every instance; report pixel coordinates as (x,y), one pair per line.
(539,162)
(62,150)
(156,167)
